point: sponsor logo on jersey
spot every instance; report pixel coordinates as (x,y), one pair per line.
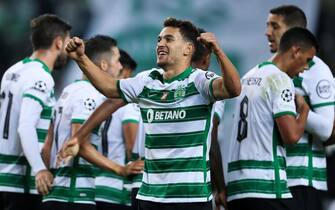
(89,104)
(252,81)
(41,86)
(287,95)
(13,77)
(165,115)
(164,96)
(323,89)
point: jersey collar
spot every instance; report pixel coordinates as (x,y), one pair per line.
(180,76)
(44,66)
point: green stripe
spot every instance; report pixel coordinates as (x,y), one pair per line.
(186,73)
(80,121)
(18,181)
(256,186)
(211,91)
(183,114)
(323,104)
(297,81)
(284,113)
(175,165)
(180,190)
(168,96)
(120,91)
(41,134)
(64,193)
(79,171)
(112,194)
(301,149)
(129,121)
(297,172)
(28,95)
(13,159)
(46,112)
(178,140)
(265,63)
(256,164)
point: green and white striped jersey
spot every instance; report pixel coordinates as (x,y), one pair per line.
(176,114)
(109,187)
(306,161)
(74,182)
(256,164)
(29,78)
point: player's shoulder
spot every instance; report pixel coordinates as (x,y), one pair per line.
(37,72)
(318,68)
(84,89)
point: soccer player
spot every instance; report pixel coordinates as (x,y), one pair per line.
(175,102)
(306,161)
(27,100)
(74,182)
(128,64)
(265,121)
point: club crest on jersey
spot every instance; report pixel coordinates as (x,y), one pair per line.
(41,86)
(286,95)
(165,115)
(89,104)
(209,75)
(180,92)
(323,89)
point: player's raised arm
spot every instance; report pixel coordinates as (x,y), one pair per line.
(100,79)
(229,85)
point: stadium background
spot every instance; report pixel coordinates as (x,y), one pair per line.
(239,25)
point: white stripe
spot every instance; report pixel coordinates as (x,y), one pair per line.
(62,181)
(66,201)
(320,185)
(261,174)
(173,178)
(105,200)
(297,161)
(12,169)
(43,124)
(297,182)
(11,189)
(170,128)
(109,182)
(188,152)
(256,195)
(86,182)
(174,200)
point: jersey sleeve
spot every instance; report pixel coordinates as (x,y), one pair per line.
(40,90)
(320,90)
(204,83)
(84,105)
(282,95)
(218,110)
(131,114)
(130,88)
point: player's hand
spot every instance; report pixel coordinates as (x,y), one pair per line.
(75,48)
(43,181)
(300,103)
(221,200)
(68,151)
(209,39)
(135,167)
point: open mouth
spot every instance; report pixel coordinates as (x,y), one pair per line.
(162,52)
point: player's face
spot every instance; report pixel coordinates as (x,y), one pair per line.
(170,45)
(114,65)
(275,28)
(126,72)
(300,60)
(62,56)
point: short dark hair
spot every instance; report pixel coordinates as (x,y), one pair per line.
(293,15)
(45,28)
(186,28)
(298,36)
(201,50)
(98,45)
(127,61)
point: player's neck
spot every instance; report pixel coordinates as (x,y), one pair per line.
(174,70)
(279,59)
(46,56)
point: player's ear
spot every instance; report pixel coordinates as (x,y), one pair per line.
(189,48)
(59,42)
(103,65)
(296,50)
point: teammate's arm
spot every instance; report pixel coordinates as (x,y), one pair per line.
(100,79)
(29,116)
(320,122)
(291,128)
(229,85)
(129,133)
(89,153)
(46,150)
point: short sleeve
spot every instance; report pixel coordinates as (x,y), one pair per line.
(83,106)
(204,83)
(130,88)
(131,114)
(219,109)
(282,95)
(40,90)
